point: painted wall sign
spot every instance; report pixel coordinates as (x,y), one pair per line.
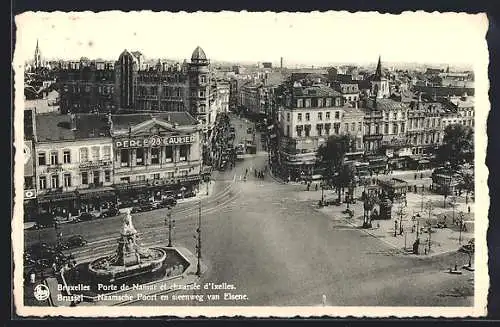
(155,141)
(28,158)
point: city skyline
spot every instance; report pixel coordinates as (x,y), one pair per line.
(80,35)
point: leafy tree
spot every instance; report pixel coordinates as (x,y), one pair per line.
(467,183)
(330,158)
(458,145)
(347,176)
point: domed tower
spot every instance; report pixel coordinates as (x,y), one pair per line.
(379,84)
(199,85)
(125,79)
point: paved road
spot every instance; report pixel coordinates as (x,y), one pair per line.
(279,250)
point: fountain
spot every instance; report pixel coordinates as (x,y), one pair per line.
(130,259)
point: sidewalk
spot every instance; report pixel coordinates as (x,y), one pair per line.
(443,240)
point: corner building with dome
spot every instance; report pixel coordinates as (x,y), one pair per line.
(135,84)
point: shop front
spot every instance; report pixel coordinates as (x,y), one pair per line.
(58,203)
(129,194)
(96,199)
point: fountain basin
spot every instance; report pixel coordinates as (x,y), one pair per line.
(102,271)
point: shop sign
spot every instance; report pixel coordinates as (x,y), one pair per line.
(29,194)
(95,164)
(155,141)
(51,169)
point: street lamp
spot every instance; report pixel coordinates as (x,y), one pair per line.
(198,245)
(461,217)
(171,225)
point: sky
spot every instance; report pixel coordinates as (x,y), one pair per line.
(300,38)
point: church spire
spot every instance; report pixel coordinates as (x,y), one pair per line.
(378,72)
(37,62)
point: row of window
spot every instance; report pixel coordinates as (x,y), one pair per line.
(155,154)
(67,180)
(394,115)
(155,176)
(420,122)
(153,90)
(318,102)
(307,116)
(66,157)
(103,90)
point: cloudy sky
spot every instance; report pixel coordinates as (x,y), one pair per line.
(310,39)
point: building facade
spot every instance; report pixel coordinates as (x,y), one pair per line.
(73,162)
(156,153)
(309,115)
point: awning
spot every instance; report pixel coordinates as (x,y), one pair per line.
(56,197)
(96,192)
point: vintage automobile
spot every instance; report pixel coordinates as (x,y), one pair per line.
(72,242)
(44,220)
(110,212)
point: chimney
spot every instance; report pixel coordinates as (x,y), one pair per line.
(73,122)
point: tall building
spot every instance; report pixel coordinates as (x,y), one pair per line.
(131,84)
(309,115)
(199,86)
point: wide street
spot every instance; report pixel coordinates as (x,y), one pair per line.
(280,250)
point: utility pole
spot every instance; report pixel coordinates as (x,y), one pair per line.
(198,246)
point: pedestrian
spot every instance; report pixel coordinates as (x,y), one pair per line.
(415,176)
(468,209)
(307,187)
(316,187)
(54,267)
(421,175)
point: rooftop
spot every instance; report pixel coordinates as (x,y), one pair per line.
(316,91)
(123,121)
(56,127)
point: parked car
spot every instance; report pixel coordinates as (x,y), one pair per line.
(44,220)
(110,212)
(42,254)
(73,242)
(169,202)
(86,216)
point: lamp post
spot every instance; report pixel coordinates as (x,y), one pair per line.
(422,200)
(322,193)
(418,224)
(171,225)
(461,220)
(198,246)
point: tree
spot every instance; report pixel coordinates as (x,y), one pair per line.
(330,158)
(458,145)
(467,183)
(346,178)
